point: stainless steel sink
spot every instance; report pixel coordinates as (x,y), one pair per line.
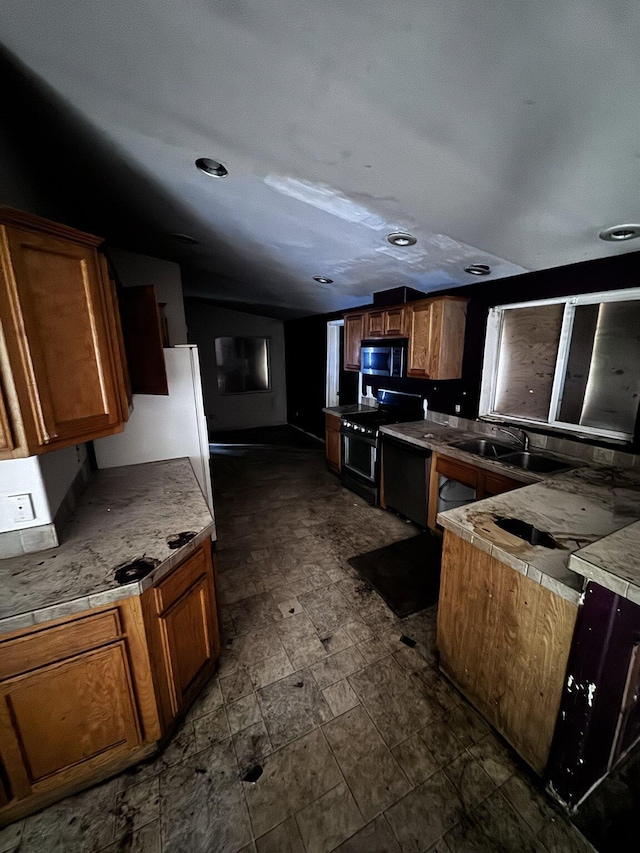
(484,447)
(535,462)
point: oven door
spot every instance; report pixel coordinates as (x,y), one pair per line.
(359,456)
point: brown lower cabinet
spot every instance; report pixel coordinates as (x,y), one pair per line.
(504,641)
(486,483)
(85,696)
(332,441)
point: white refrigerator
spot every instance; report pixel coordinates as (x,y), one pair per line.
(166,427)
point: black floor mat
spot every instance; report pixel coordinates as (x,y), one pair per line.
(406,574)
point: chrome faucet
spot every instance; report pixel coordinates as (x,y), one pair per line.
(521,439)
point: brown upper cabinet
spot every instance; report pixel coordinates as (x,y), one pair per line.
(61,368)
(354,325)
(436,338)
(390,322)
(435,329)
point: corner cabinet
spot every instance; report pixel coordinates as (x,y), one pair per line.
(87,695)
(61,371)
(434,327)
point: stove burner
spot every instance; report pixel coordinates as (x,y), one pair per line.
(136,570)
(177,540)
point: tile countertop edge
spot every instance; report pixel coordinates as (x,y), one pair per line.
(112,493)
(348,409)
(521,566)
(612,562)
(28,619)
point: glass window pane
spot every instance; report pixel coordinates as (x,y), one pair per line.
(527,360)
(243,365)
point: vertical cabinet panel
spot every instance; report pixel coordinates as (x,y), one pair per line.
(187,630)
(353,334)
(423,340)
(182,627)
(332,442)
(504,640)
(142,328)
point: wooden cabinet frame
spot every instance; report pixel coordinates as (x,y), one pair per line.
(486,483)
(333,450)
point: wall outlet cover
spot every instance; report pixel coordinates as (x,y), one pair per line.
(21,508)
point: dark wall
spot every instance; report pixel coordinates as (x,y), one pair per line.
(306,383)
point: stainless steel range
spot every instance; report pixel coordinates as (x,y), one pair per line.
(361,440)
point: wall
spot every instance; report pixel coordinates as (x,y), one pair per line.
(135,270)
(22,477)
(165,427)
(205,323)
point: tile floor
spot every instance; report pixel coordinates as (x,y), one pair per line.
(364,747)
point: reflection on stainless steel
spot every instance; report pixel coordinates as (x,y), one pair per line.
(243,365)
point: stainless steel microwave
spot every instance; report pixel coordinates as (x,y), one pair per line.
(383,357)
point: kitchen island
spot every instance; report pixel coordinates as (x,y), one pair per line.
(96,663)
(508,609)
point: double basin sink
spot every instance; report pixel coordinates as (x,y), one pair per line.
(537,463)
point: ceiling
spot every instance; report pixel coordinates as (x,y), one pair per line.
(502,133)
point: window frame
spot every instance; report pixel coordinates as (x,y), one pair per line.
(491,360)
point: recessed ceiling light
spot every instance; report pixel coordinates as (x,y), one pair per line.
(187,239)
(478,269)
(322,279)
(211,167)
(617,233)
(401,238)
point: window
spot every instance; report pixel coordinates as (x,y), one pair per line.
(243,365)
(571,364)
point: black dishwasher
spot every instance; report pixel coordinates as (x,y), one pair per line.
(406,479)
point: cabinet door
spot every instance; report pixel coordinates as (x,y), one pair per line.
(332,446)
(61,721)
(188,635)
(394,322)
(375,322)
(60,345)
(353,329)
(424,339)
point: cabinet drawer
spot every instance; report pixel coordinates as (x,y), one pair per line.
(181,578)
(457,471)
(49,645)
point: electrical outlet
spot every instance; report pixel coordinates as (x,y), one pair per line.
(457,408)
(21,507)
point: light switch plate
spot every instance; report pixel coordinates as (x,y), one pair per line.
(21,507)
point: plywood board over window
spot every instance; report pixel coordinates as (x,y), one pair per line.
(571,363)
(528,352)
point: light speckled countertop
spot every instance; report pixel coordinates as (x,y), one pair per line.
(613,562)
(124,514)
(578,508)
(350,409)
